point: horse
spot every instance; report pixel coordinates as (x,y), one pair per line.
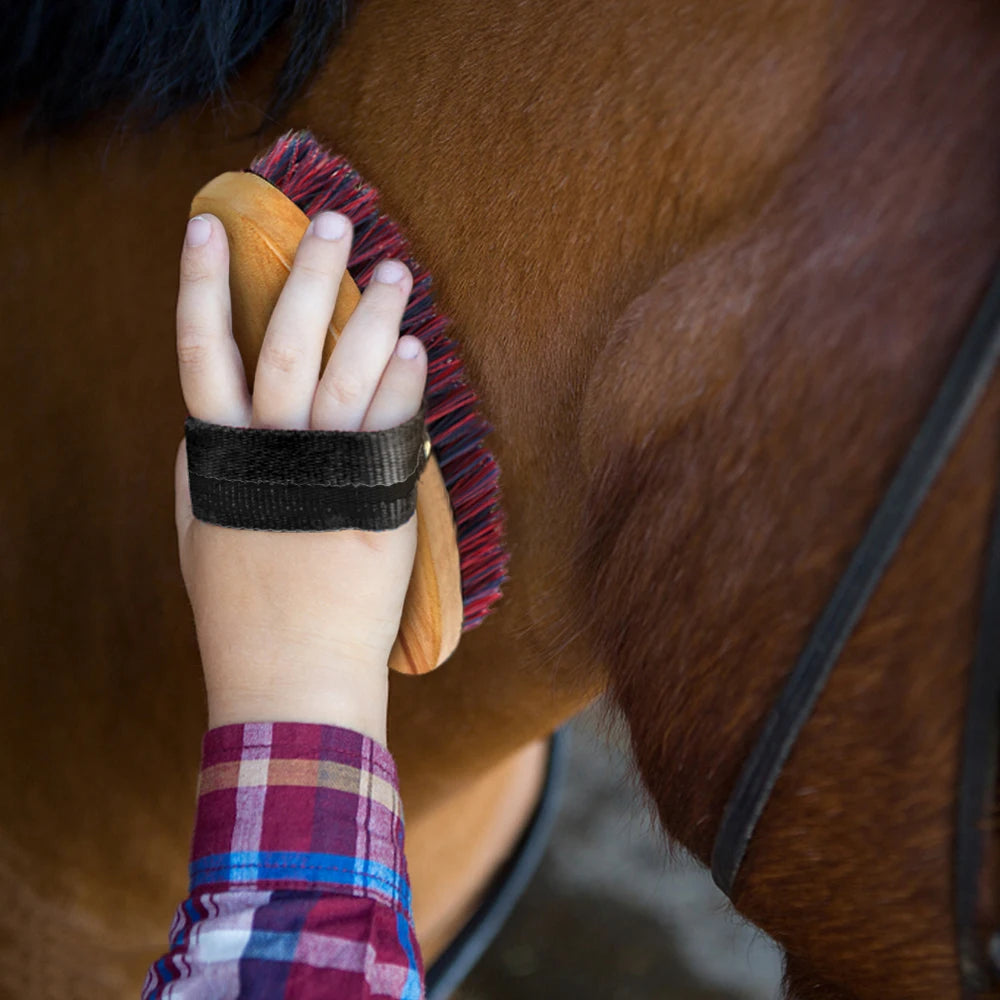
(705,264)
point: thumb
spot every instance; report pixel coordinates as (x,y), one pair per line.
(183,514)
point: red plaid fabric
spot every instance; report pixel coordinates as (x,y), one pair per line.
(298,883)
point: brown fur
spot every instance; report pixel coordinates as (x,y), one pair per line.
(705,280)
(802,351)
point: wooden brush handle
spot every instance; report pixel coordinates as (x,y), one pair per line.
(264,228)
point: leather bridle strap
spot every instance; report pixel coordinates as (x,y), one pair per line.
(960,391)
(978,783)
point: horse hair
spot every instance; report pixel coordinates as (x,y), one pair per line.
(64,62)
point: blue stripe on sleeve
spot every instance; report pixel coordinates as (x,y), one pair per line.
(300,866)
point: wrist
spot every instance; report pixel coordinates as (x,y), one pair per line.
(350,698)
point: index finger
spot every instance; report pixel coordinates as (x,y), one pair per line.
(213,379)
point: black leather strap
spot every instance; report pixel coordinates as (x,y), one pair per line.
(305,480)
(959,393)
(508,885)
(980,967)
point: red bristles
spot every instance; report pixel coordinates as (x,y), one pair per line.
(318,181)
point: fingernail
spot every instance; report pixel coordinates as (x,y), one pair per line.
(329,226)
(408,348)
(198,231)
(389,272)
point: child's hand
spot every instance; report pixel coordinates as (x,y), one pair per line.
(295,626)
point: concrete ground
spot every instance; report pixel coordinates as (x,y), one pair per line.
(610,915)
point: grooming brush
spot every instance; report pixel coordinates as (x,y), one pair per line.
(461,562)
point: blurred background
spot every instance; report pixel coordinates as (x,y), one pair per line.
(612,913)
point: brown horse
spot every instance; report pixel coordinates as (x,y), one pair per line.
(706,264)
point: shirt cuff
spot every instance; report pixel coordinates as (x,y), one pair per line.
(299,806)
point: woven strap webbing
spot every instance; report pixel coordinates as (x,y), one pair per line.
(305,480)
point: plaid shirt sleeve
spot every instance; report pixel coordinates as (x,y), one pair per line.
(298,882)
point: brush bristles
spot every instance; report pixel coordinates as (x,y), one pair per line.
(317,181)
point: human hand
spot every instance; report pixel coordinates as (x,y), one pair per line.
(296,626)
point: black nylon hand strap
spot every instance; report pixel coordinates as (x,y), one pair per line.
(305,480)
(960,391)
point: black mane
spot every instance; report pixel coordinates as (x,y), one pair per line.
(63,61)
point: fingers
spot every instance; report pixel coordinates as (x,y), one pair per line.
(401,390)
(365,384)
(213,380)
(290,356)
(349,383)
